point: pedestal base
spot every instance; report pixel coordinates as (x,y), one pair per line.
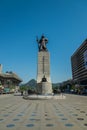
(44,97)
(44,88)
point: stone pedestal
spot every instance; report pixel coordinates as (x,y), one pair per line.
(43,70)
(46,88)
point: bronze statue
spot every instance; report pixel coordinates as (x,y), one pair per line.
(44,79)
(42,43)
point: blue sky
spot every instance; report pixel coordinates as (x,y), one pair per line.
(63,22)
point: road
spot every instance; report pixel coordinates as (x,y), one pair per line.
(17,113)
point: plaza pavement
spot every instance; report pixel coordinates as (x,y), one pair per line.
(17,113)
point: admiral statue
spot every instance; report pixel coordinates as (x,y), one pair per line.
(42,43)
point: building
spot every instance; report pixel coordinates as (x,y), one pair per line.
(8,79)
(79,64)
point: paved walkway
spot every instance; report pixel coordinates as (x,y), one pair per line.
(67,114)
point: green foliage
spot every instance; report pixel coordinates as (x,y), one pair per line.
(56,89)
(73,87)
(23,88)
(26,88)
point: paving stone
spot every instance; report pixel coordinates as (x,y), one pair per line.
(17,113)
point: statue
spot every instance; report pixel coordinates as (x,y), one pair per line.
(44,79)
(42,43)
